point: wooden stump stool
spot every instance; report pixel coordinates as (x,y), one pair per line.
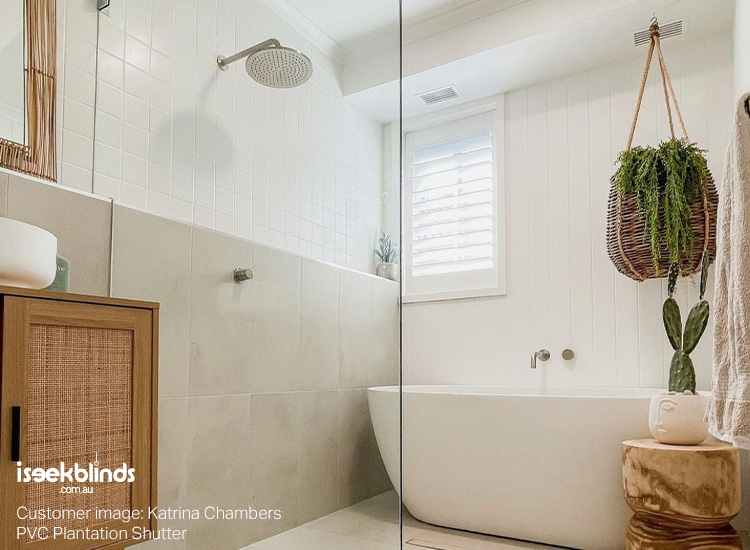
(683,497)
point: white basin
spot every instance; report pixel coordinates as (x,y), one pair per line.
(28,255)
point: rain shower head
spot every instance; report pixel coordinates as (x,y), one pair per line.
(272,64)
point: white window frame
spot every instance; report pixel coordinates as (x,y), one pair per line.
(495,105)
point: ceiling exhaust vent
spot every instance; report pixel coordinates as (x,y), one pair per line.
(437,96)
(665,31)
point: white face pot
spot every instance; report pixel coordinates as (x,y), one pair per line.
(388,270)
(678,418)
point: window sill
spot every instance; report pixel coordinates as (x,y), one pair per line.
(455,295)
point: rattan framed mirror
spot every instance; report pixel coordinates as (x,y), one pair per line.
(36,154)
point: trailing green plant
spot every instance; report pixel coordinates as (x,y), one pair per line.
(681,369)
(386,252)
(664,179)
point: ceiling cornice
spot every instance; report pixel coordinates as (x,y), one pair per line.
(308,29)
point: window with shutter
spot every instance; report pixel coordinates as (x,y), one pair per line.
(452,244)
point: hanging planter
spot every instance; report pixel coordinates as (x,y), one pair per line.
(662,201)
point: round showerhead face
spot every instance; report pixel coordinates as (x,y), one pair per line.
(279,67)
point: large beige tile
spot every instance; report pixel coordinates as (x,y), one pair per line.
(274,461)
(276,321)
(82,225)
(219,450)
(172,482)
(318,454)
(303,538)
(151,261)
(173,446)
(385,333)
(221,319)
(374,525)
(3,193)
(355,322)
(375,519)
(361,470)
(370,525)
(319,330)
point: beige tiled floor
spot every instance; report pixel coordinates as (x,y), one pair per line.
(373,525)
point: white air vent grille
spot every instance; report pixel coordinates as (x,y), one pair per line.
(436,96)
(665,31)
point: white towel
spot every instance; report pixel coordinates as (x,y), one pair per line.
(729,409)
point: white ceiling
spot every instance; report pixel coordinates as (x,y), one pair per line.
(351,21)
(534,41)
(484,47)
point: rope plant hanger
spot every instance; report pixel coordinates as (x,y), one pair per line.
(663,200)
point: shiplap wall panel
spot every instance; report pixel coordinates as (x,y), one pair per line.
(597,104)
(562,138)
(579,192)
(626,291)
(517,242)
(559,218)
(538,217)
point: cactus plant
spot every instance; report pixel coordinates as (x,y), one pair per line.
(681,369)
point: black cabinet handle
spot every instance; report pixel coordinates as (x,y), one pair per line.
(15,437)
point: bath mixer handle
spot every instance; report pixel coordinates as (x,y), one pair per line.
(541,355)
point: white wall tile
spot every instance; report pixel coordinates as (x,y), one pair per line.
(134,170)
(134,141)
(77,149)
(80,86)
(136,82)
(108,130)
(80,54)
(80,118)
(107,160)
(111,38)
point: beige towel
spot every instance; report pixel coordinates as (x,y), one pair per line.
(729,409)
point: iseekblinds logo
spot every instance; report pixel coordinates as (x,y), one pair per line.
(76,473)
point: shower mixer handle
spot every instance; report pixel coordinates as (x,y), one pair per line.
(541,355)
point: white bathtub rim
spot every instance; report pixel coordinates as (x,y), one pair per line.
(527,392)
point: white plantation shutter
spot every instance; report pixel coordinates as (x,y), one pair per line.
(451,230)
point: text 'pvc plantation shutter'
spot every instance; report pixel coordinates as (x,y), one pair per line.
(452,226)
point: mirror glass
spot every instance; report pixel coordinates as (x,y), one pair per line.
(12,109)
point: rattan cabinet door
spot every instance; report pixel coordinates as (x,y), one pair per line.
(75,389)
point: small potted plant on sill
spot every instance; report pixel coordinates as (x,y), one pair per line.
(387,253)
(677,417)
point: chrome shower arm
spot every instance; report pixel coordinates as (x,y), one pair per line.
(224,62)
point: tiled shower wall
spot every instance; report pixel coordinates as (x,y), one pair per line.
(261,385)
(171,134)
(561,140)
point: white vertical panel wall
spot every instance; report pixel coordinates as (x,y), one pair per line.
(562,138)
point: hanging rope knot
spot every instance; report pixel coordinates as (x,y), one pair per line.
(654,29)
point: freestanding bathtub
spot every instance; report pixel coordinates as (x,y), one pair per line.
(529,464)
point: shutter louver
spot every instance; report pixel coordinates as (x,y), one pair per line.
(452,206)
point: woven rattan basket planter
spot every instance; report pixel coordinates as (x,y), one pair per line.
(631,250)
(628,245)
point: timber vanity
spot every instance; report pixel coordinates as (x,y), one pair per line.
(78,385)
(683,496)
